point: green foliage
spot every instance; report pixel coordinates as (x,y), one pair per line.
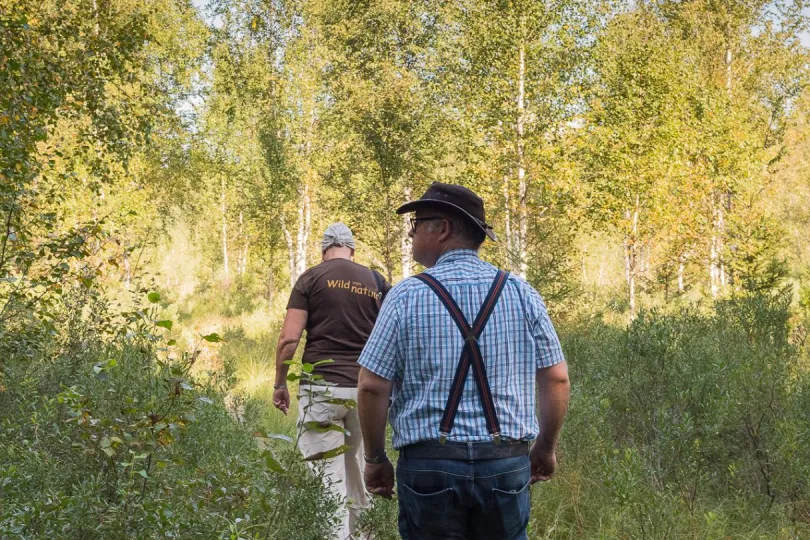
(686,416)
(121,437)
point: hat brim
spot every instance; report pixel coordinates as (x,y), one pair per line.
(421,203)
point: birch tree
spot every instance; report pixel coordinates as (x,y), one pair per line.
(514,84)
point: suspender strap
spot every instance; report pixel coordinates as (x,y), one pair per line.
(470,353)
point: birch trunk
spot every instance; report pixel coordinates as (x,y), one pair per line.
(223,209)
(630,273)
(240,234)
(728,71)
(716,270)
(290,252)
(631,257)
(127,270)
(510,250)
(245,252)
(388,251)
(406,247)
(521,170)
(584,269)
(302,239)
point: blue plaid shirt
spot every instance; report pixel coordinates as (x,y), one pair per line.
(416,344)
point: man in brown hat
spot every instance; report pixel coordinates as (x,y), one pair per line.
(466,348)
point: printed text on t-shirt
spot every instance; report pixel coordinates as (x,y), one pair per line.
(355,287)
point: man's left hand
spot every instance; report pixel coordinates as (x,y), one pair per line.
(380,479)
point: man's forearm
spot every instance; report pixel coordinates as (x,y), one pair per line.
(372,406)
(284,352)
(553,394)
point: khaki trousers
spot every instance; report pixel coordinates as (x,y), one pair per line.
(343,475)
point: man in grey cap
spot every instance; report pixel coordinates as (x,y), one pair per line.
(337,302)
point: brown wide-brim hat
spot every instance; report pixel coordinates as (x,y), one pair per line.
(458,199)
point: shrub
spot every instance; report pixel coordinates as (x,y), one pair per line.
(115,438)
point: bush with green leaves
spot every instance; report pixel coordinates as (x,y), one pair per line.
(687,423)
(117,438)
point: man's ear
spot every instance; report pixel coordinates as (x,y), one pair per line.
(447,230)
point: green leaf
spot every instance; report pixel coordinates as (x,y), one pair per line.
(164,324)
(348,403)
(206,400)
(109,451)
(329,454)
(307,368)
(171,342)
(323,427)
(272,462)
(153,297)
(105,442)
(212,338)
(293,377)
(279,436)
(321,362)
(142,472)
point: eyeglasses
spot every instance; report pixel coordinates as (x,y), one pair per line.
(416,221)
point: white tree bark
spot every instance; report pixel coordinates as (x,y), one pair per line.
(728,70)
(291,259)
(406,247)
(510,250)
(631,257)
(223,209)
(304,226)
(127,270)
(716,270)
(522,266)
(630,273)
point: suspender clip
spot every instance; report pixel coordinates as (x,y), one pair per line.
(496,438)
(471,338)
(443,437)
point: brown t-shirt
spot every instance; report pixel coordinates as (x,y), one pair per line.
(342,301)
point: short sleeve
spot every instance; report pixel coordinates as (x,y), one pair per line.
(382,354)
(547,344)
(385,287)
(299,296)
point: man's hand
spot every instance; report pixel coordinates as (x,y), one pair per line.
(380,479)
(281,399)
(544,461)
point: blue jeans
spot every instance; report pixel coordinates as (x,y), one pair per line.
(443,498)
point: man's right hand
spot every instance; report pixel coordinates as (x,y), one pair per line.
(281,400)
(379,479)
(544,462)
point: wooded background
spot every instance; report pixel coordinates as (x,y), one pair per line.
(644,163)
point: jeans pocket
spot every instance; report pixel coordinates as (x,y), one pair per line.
(510,511)
(427,514)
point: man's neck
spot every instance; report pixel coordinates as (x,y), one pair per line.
(337,253)
(448,248)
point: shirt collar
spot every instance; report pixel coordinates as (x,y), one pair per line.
(456,255)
